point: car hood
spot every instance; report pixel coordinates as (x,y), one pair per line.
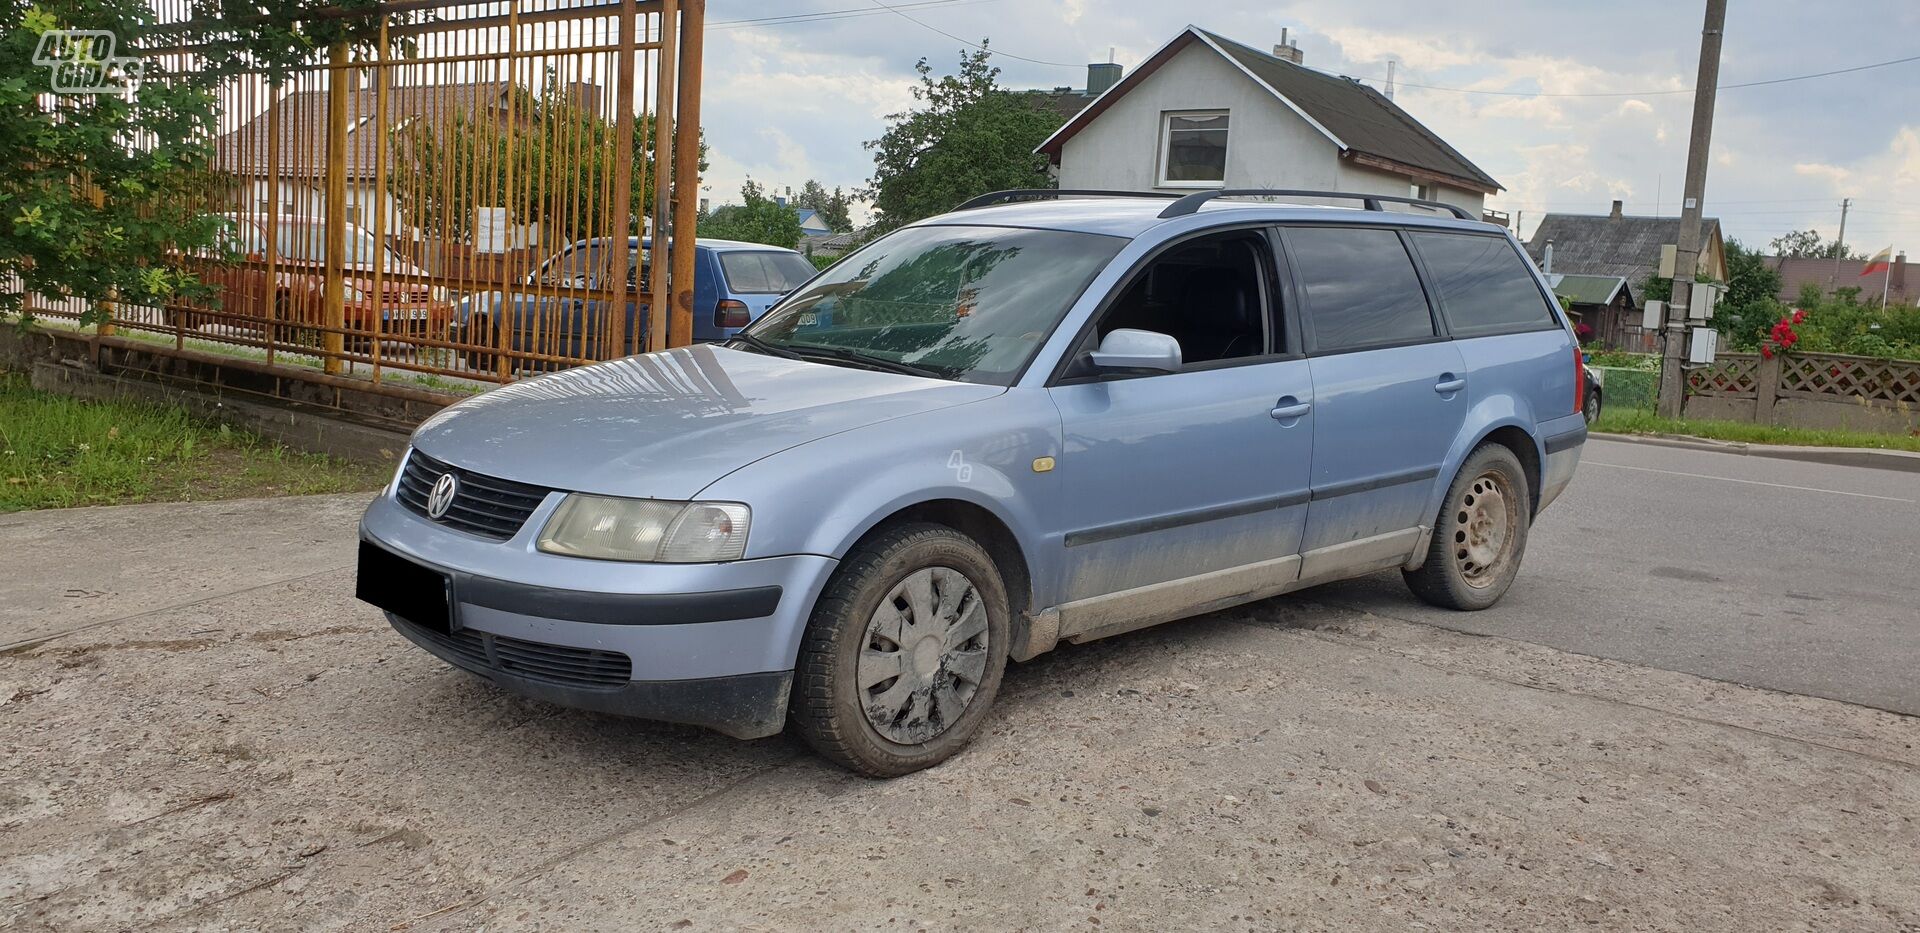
(667,424)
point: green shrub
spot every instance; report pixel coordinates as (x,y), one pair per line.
(1628,388)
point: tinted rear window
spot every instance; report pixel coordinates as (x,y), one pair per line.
(1484,285)
(1361,289)
(765,273)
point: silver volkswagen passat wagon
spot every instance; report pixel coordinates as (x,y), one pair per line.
(1038,418)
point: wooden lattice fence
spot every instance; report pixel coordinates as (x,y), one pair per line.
(1816,390)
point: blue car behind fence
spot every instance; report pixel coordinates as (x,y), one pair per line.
(564,314)
(1033,420)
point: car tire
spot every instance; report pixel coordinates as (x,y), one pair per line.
(1591,409)
(897,583)
(1480,534)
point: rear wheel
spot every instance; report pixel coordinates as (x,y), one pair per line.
(1479,535)
(1591,408)
(904,652)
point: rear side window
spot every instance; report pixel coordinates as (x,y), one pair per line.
(1484,285)
(765,273)
(1360,287)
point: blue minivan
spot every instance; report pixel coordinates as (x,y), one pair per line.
(733,284)
(1036,419)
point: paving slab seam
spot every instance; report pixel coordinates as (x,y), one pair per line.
(1543,688)
(42,639)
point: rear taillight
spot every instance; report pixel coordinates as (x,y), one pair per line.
(732,313)
(1579,380)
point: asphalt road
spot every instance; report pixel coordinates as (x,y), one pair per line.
(1793,576)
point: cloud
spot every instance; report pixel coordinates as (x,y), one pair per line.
(799,99)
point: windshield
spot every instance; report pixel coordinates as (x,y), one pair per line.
(765,273)
(968,303)
(308,243)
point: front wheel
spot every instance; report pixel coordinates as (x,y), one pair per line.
(1479,535)
(1591,408)
(904,652)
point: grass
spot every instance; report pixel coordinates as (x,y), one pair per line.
(57,452)
(1641,421)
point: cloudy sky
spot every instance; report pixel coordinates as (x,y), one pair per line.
(791,95)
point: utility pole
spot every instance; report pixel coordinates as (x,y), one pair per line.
(1839,243)
(1687,253)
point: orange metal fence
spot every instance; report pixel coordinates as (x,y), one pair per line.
(467,197)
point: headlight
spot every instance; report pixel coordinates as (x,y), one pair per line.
(653,530)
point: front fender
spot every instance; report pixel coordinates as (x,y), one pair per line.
(823,496)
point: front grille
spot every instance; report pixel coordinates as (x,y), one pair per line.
(484,505)
(482,652)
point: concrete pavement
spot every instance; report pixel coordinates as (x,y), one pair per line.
(253,750)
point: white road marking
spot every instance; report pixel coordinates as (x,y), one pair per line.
(1750,482)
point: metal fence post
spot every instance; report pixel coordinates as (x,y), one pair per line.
(620,212)
(686,165)
(664,283)
(332,341)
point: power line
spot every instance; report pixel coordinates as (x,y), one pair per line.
(1723,87)
(980,46)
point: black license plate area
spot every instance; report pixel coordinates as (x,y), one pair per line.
(413,592)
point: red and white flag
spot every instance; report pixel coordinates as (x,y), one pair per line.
(1879,262)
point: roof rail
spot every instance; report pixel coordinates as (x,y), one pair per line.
(1192,202)
(1038,194)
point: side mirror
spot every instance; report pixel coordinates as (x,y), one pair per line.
(1126,348)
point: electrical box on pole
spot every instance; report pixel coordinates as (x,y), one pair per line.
(1702,344)
(1704,300)
(1653,315)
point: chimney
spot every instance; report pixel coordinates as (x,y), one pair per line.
(1546,258)
(1898,281)
(1286,50)
(1100,76)
(1616,209)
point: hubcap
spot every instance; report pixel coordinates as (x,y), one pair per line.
(1483,528)
(924,655)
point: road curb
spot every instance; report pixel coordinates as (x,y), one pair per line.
(1899,461)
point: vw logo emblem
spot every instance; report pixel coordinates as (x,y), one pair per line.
(441,498)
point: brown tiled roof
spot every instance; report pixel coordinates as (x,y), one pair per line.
(1796,272)
(303,125)
(1599,244)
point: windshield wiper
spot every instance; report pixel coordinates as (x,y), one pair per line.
(862,359)
(764,347)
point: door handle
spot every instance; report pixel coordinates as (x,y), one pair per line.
(1449,384)
(1290,409)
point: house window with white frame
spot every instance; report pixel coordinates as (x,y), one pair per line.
(1193,149)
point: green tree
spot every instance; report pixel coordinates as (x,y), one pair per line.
(833,207)
(104,194)
(1808,244)
(757,219)
(967,136)
(83,214)
(546,157)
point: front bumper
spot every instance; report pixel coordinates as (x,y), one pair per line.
(745,706)
(707,644)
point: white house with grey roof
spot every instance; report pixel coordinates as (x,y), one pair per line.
(1208,112)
